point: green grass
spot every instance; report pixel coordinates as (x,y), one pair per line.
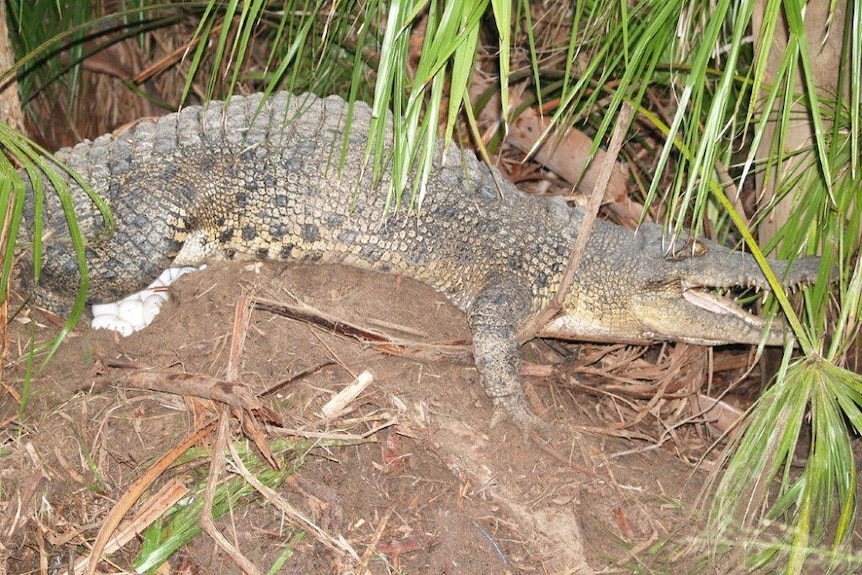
(180,524)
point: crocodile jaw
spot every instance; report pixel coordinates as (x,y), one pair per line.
(727,312)
(682,312)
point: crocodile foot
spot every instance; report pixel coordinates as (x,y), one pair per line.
(514,408)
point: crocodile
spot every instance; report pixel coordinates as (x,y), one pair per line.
(281,178)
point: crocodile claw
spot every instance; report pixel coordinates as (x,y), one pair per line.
(513,408)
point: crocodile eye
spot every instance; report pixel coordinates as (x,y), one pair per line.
(691,249)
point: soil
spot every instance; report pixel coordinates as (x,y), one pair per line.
(430,487)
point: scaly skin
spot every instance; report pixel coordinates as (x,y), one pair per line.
(268,181)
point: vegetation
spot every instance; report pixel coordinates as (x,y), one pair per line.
(749,111)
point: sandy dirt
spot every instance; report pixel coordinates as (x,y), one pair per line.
(435,490)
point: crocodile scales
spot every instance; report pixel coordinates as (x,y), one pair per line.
(279,178)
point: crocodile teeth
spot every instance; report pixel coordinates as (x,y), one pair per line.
(718,304)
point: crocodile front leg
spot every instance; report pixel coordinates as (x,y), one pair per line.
(494,318)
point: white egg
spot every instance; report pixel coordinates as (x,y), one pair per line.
(132,311)
(113,323)
(152,306)
(100,309)
(138,310)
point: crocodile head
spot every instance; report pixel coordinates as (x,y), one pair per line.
(642,288)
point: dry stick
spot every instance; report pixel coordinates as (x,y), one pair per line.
(4,297)
(206,523)
(236,395)
(594,202)
(241,319)
(137,489)
(371,548)
(171,60)
(151,510)
(591,210)
(337,545)
(295,378)
(112,521)
(242,314)
(452,351)
(14,519)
